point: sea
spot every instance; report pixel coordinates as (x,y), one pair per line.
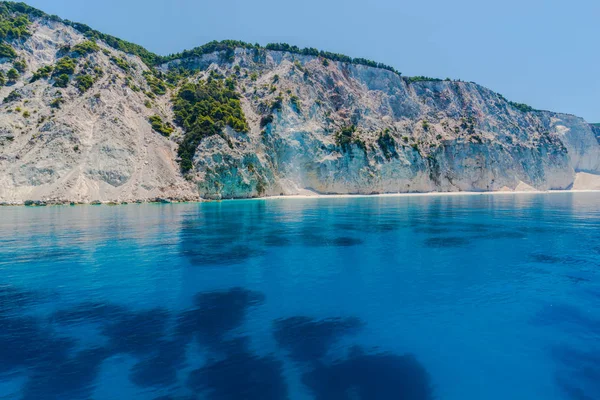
(359,298)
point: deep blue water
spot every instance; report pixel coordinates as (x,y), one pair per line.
(414,298)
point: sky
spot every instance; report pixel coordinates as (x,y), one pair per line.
(543,53)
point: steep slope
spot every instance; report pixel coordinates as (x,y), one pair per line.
(77,143)
(337,127)
(92,118)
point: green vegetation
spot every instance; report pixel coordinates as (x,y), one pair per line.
(57,102)
(2,78)
(42,73)
(85,48)
(266,120)
(61,81)
(66,66)
(84,82)
(203,109)
(24,12)
(295,100)
(13,25)
(159,126)
(157,85)
(344,138)
(20,65)
(7,51)
(387,144)
(521,107)
(26,114)
(121,63)
(413,79)
(12,96)
(12,75)
(328,56)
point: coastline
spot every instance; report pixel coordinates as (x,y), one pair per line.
(424,194)
(307,195)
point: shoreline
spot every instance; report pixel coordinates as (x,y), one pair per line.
(424,194)
(310,195)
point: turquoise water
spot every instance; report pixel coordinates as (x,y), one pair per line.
(450,298)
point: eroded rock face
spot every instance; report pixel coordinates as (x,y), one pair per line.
(93,146)
(328,127)
(408,137)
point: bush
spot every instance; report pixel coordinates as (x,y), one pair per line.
(20,65)
(344,137)
(12,96)
(6,51)
(203,109)
(85,48)
(521,107)
(61,81)
(57,102)
(295,100)
(121,63)
(387,144)
(266,120)
(413,79)
(157,85)
(159,126)
(12,75)
(84,82)
(2,78)
(42,73)
(65,66)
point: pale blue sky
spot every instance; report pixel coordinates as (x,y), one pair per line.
(541,52)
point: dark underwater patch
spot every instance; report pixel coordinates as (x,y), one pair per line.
(568,316)
(240,375)
(277,240)
(25,342)
(551,259)
(14,300)
(136,333)
(215,314)
(381,376)
(307,339)
(431,230)
(344,241)
(545,258)
(222,254)
(579,372)
(66,379)
(447,242)
(160,369)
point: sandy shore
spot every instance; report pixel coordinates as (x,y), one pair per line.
(313,195)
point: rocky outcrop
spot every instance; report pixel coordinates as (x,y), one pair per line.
(344,128)
(92,146)
(314,124)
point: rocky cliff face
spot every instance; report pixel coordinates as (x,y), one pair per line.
(312,124)
(343,128)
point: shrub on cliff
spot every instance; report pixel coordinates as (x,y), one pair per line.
(84,82)
(85,48)
(159,126)
(203,109)
(65,65)
(12,75)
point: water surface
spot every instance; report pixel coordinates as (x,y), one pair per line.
(449,297)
